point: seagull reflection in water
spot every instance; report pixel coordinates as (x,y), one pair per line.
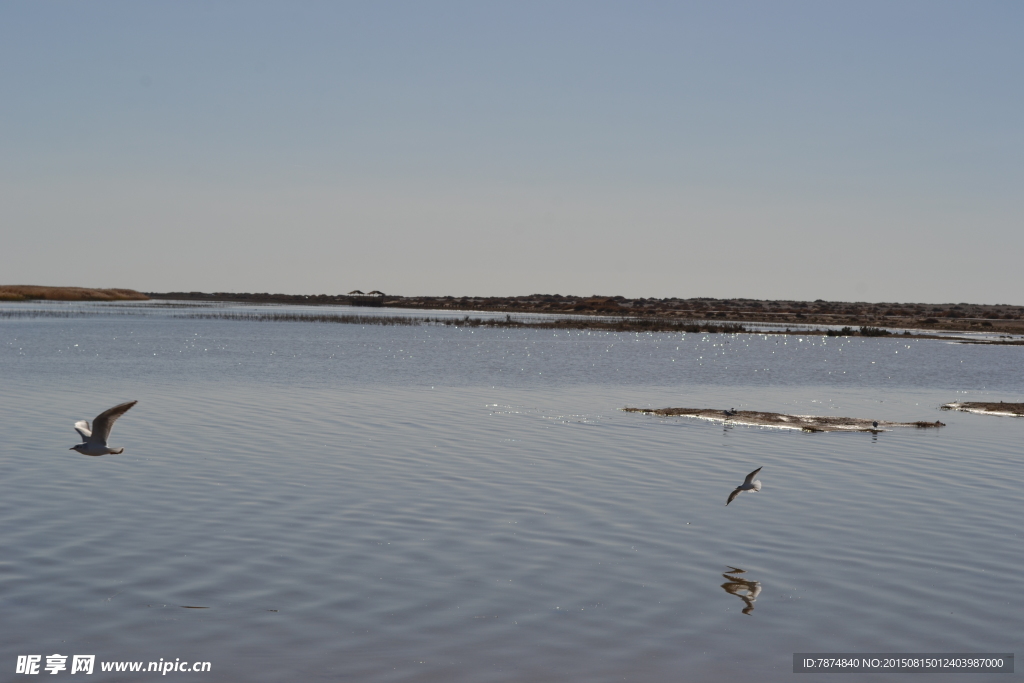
(747,591)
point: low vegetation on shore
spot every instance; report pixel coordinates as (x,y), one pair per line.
(860,318)
(36,292)
(699,314)
(609,324)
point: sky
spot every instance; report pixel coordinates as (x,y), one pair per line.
(868,151)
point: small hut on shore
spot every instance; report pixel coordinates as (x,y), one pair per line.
(359,298)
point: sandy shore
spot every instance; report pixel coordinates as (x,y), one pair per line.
(37,292)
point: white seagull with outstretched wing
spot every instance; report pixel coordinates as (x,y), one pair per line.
(94,438)
(748,485)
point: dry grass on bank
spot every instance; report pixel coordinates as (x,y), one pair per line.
(36,292)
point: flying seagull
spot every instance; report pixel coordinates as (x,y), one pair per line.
(748,485)
(95,438)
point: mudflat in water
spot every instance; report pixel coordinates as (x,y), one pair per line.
(442,504)
(806,423)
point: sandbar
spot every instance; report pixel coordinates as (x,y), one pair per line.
(806,423)
(1000,408)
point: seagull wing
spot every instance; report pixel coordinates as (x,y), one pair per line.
(82,427)
(732,496)
(105,420)
(746,482)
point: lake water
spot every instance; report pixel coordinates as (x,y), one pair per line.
(434,503)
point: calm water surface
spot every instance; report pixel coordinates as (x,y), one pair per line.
(432,503)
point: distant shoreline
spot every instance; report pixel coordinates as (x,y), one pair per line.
(651,314)
(41,293)
(961,317)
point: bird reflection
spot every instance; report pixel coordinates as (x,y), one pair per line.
(745,590)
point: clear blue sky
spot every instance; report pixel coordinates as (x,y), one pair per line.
(858,151)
